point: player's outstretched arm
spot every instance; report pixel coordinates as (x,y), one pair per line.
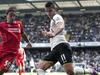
(24,36)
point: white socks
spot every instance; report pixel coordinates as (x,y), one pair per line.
(40,72)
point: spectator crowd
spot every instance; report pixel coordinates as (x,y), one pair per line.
(79,27)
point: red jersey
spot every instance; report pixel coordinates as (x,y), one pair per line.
(11,35)
(0,46)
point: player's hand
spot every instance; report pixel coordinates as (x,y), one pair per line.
(50,34)
(29,45)
(44,33)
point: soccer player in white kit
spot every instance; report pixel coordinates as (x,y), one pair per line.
(60,49)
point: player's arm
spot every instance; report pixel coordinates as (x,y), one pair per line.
(24,36)
(56,30)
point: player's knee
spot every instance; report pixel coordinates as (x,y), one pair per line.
(69,69)
(44,65)
(70,72)
(41,65)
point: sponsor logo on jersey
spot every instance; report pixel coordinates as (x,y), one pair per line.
(14,30)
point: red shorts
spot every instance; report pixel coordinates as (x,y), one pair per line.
(7,58)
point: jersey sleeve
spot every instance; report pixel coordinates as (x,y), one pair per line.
(21,25)
(57,19)
(21,28)
(1,26)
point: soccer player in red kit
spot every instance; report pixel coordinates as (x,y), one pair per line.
(12,32)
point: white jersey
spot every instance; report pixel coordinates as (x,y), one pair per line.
(60,37)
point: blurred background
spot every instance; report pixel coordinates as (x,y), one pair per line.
(82,24)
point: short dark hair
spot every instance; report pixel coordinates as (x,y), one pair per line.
(11,9)
(50,4)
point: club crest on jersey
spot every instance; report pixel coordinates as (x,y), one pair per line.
(14,30)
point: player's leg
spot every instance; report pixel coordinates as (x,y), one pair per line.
(43,66)
(1,55)
(65,58)
(3,65)
(46,63)
(6,60)
(69,68)
(1,70)
(20,59)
